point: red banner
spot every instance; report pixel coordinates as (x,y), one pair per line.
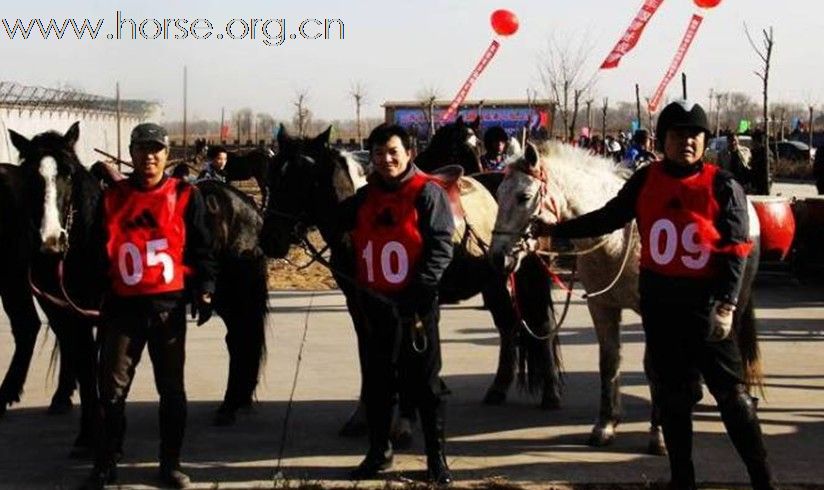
(467,86)
(695,23)
(633,34)
(224,132)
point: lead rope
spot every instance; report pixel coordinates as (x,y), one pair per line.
(278,474)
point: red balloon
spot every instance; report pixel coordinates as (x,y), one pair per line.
(707,4)
(504,22)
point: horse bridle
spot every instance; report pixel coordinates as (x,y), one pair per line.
(66,301)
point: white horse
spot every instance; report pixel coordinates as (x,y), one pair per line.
(560,182)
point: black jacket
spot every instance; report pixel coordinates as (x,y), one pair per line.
(198,255)
(732,224)
(435,223)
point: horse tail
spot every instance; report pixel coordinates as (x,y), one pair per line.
(748,346)
(540,363)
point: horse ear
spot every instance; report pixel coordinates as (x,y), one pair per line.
(19,141)
(460,121)
(476,124)
(323,138)
(531,155)
(72,135)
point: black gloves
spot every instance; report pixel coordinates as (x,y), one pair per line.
(542,229)
(202,308)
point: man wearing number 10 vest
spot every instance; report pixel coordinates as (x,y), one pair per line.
(402,229)
(693,221)
(155,243)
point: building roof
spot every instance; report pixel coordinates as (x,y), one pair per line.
(16,96)
(467,103)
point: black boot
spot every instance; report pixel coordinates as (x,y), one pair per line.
(432,423)
(437,471)
(738,412)
(676,421)
(171,475)
(100,477)
(374,462)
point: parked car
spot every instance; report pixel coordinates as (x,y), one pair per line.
(795,151)
(717,145)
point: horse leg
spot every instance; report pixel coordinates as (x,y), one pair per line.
(355,425)
(85,354)
(497,298)
(245,319)
(61,401)
(533,288)
(25,324)
(607,328)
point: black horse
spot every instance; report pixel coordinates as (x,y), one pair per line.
(250,165)
(453,144)
(64,205)
(309,179)
(57,200)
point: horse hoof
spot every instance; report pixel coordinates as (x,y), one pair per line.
(224,418)
(494,397)
(601,436)
(60,406)
(353,428)
(656,446)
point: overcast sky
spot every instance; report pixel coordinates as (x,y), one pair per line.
(396,48)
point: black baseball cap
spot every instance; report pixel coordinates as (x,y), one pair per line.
(150,133)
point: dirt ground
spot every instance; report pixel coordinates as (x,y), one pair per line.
(298,272)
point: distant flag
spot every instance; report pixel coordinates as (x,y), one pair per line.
(743,126)
(632,35)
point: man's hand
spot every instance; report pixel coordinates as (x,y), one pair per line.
(720,321)
(202,309)
(541,228)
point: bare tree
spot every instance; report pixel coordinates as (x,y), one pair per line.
(265,125)
(765,53)
(302,115)
(358,92)
(243,123)
(427,97)
(563,72)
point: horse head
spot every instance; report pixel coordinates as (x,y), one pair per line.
(59,190)
(307,179)
(453,144)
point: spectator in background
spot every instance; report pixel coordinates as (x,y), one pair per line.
(760,181)
(216,159)
(495,144)
(735,159)
(639,152)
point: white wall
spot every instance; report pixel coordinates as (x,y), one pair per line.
(96,131)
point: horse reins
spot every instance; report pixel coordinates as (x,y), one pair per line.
(66,301)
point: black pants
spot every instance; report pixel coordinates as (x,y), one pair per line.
(124,336)
(394,364)
(678,355)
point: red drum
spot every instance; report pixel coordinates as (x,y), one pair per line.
(809,215)
(777,225)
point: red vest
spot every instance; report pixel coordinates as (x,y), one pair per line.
(386,237)
(146,237)
(676,219)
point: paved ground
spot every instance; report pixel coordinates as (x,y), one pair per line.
(516,443)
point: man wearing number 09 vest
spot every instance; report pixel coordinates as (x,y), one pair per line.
(156,244)
(402,229)
(693,222)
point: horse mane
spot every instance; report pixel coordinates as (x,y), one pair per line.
(587,180)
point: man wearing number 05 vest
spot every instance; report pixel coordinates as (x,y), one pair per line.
(402,227)
(693,222)
(155,244)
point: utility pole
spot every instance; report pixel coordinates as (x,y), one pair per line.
(117,108)
(222,122)
(185,140)
(604,124)
(638,105)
